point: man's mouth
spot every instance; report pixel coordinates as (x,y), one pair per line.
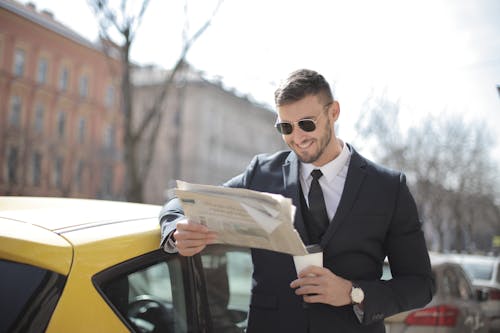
(304,145)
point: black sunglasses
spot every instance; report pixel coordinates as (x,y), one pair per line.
(286,128)
(307,125)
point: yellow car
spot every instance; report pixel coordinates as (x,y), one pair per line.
(73,265)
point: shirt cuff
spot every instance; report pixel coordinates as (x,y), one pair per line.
(360,314)
(169,245)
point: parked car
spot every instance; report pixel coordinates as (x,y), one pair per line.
(484,272)
(454,307)
(71,265)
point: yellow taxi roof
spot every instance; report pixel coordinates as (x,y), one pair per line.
(51,232)
(61,213)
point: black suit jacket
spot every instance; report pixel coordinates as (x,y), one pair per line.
(376,217)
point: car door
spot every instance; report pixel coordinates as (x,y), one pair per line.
(157,293)
(228,279)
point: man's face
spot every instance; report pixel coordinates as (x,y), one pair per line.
(315,147)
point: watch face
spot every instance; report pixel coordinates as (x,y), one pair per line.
(357,295)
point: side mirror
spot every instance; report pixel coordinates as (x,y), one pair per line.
(481,294)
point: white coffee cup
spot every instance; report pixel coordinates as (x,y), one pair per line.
(314,258)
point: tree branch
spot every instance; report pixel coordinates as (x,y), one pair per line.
(170,77)
(138,19)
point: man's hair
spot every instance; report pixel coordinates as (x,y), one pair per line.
(302,83)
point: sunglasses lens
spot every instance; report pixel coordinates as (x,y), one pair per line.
(307,125)
(284,128)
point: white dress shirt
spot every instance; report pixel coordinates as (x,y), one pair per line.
(332,182)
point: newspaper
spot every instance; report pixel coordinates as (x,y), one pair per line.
(243,217)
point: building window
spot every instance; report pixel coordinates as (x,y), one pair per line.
(36,169)
(39,115)
(19,62)
(79,176)
(61,124)
(12,163)
(43,67)
(58,172)
(82,124)
(109,137)
(84,86)
(109,100)
(15,111)
(64,79)
(107,181)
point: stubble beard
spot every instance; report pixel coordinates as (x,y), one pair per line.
(323,143)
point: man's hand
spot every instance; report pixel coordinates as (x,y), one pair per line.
(320,285)
(191,238)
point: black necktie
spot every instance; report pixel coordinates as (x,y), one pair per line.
(317,208)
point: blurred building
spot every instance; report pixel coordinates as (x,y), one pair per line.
(61,129)
(208,133)
(60,125)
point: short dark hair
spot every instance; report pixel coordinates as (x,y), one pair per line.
(302,83)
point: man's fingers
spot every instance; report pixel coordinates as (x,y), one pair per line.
(313,271)
(190,243)
(190,230)
(308,290)
(189,247)
(187,225)
(194,235)
(191,238)
(190,251)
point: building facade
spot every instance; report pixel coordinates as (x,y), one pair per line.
(60,119)
(208,133)
(61,129)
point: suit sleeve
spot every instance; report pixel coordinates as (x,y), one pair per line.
(172,211)
(412,285)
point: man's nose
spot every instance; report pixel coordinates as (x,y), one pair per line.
(298,134)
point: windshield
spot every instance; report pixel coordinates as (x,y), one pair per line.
(479,271)
(29,296)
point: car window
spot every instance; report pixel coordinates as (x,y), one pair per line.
(498,272)
(479,270)
(463,285)
(150,294)
(228,275)
(29,295)
(449,283)
(454,283)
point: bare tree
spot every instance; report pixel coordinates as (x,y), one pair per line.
(449,165)
(125,22)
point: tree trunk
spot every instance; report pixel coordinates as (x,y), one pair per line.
(133,185)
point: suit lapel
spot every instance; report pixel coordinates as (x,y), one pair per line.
(292,188)
(355,176)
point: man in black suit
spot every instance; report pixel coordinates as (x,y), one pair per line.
(356,210)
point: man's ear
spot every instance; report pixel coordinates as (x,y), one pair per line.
(335,110)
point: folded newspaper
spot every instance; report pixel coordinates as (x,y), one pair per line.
(243,217)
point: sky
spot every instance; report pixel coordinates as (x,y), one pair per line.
(432,56)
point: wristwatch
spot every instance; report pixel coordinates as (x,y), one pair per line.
(357,294)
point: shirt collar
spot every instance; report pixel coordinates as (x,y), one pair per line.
(331,169)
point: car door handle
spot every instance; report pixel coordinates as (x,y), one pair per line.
(478,323)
